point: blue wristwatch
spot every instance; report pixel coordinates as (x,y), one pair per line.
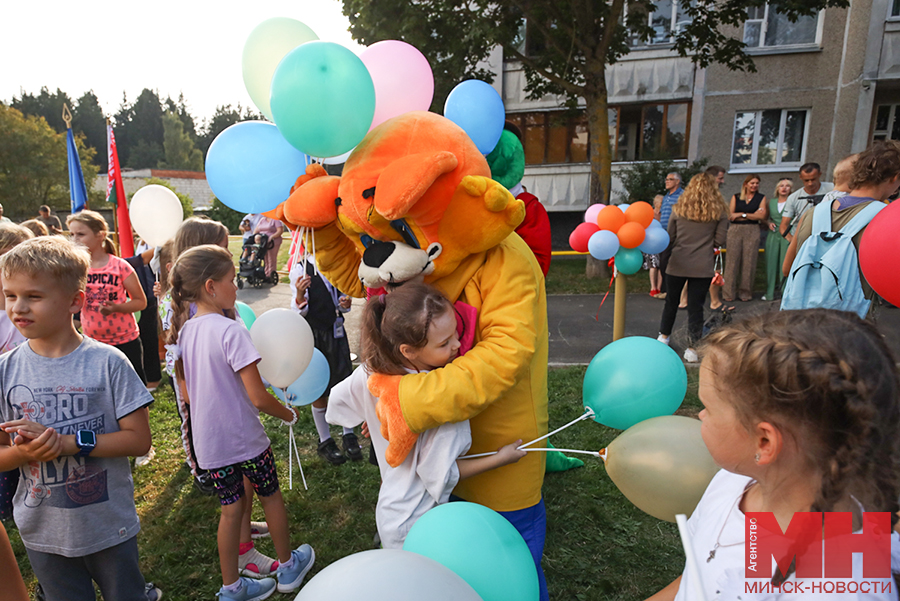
(85,440)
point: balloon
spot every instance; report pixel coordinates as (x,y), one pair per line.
(579,237)
(476,107)
(603,245)
(266,45)
(590,216)
(623,207)
(251,167)
(481,546)
(156,214)
(655,224)
(633,379)
(285,342)
(338,160)
(655,241)
(629,260)
(248,316)
(661,465)
(878,250)
(323,99)
(639,212)
(610,218)
(631,235)
(311,385)
(386,575)
(402,77)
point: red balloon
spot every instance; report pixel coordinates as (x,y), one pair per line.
(639,212)
(631,235)
(879,250)
(610,218)
(579,237)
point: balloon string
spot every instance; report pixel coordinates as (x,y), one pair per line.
(297,453)
(608,288)
(588,413)
(593,453)
(312,237)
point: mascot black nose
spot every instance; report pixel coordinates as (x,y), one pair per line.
(376,254)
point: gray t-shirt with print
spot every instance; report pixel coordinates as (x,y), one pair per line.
(73,506)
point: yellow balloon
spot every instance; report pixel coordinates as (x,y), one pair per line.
(266,45)
(661,465)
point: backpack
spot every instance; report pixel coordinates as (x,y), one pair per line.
(825,273)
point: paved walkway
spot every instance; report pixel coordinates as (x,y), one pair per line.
(576,334)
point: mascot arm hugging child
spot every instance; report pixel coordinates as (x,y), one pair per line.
(416,200)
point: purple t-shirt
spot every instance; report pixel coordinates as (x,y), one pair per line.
(225,423)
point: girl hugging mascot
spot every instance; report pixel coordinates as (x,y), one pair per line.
(416,199)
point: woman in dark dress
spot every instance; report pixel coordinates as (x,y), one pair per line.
(746,211)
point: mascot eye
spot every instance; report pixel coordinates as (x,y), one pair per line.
(366,240)
(338,201)
(369,192)
(404,230)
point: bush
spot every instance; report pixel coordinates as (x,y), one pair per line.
(225,215)
(643,181)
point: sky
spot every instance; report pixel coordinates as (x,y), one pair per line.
(188,46)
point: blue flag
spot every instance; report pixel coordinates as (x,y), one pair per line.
(77,189)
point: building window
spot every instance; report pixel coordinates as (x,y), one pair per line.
(887,125)
(774,137)
(895,8)
(649,131)
(666,20)
(553,137)
(766,27)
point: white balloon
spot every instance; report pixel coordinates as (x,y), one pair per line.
(339,159)
(387,575)
(284,341)
(156,214)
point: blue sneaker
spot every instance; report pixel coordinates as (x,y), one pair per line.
(251,590)
(289,579)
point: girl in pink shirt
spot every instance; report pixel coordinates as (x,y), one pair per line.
(113,292)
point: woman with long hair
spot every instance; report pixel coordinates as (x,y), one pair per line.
(776,244)
(698,224)
(746,211)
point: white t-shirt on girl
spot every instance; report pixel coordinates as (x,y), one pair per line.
(718,519)
(427,476)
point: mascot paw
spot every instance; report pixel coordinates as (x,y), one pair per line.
(401,439)
(495,197)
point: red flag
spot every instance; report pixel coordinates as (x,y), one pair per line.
(115,193)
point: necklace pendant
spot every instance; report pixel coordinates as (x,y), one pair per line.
(712,555)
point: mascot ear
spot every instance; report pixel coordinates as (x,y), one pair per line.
(405,180)
(312,199)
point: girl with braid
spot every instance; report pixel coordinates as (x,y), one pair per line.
(802,413)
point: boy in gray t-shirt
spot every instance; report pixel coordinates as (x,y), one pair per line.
(73,411)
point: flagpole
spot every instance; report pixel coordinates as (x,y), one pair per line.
(115,209)
(67,117)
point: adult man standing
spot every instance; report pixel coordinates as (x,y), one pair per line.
(673,192)
(51,221)
(800,201)
(2,218)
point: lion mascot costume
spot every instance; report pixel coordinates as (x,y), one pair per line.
(416,199)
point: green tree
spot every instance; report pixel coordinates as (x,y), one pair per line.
(224,117)
(46,105)
(139,131)
(180,152)
(644,180)
(34,165)
(566,47)
(225,215)
(88,119)
(187,120)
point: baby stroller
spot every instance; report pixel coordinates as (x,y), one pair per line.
(252,262)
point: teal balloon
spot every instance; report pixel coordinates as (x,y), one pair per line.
(311,384)
(633,379)
(322,99)
(481,546)
(246,313)
(629,260)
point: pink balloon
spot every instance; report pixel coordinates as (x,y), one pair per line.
(590,216)
(402,77)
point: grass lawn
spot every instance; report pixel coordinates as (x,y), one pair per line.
(599,546)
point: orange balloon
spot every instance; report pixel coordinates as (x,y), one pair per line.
(610,218)
(631,235)
(639,212)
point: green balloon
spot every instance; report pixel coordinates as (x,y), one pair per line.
(246,313)
(481,546)
(629,260)
(633,379)
(266,45)
(323,99)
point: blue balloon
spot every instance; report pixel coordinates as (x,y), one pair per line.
(603,245)
(655,241)
(476,107)
(311,384)
(251,167)
(655,224)
(624,206)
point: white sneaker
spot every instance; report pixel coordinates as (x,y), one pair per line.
(663,339)
(145,459)
(690,355)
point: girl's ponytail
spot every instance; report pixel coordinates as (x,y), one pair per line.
(109,246)
(378,353)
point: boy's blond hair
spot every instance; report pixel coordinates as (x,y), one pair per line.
(12,235)
(53,256)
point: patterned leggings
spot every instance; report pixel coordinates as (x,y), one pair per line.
(229,480)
